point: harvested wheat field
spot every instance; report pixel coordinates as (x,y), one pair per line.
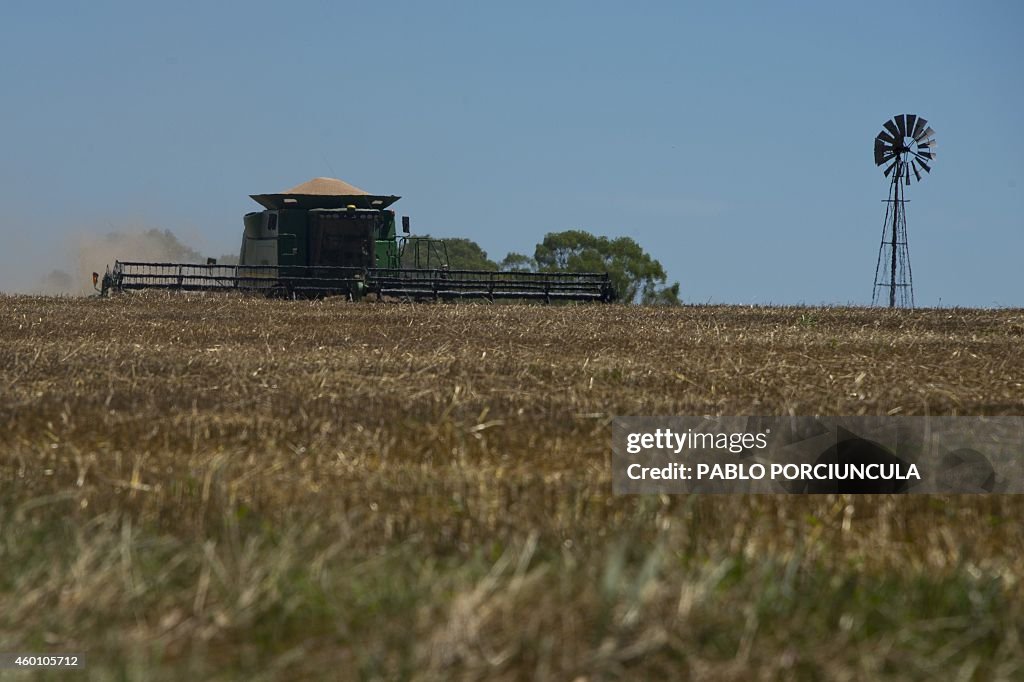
(224,488)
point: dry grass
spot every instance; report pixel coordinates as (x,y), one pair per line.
(246,489)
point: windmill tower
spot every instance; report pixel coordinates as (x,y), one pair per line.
(905,145)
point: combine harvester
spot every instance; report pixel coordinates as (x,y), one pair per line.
(328,238)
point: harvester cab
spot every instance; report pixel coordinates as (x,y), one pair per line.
(326,237)
(321,223)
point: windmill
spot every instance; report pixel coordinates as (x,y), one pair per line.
(906,145)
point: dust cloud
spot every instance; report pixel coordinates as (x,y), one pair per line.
(94,253)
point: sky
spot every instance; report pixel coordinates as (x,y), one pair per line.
(733,141)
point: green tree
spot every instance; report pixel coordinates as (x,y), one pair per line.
(466,254)
(637,276)
(517,262)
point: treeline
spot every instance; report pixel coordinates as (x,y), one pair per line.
(637,276)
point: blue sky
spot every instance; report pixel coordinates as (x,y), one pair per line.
(733,141)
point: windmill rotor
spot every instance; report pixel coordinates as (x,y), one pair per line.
(907,144)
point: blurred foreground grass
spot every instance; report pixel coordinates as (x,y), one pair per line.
(231,488)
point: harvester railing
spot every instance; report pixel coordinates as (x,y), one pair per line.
(269,279)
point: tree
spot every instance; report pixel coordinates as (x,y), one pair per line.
(466,254)
(637,276)
(517,262)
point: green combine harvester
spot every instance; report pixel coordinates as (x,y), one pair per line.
(326,237)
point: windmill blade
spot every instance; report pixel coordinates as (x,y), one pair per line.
(891,127)
(929,143)
(908,173)
(881,152)
(901,123)
(886,137)
(891,166)
(927,133)
(911,123)
(926,154)
(919,128)
(913,164)
(924,166)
